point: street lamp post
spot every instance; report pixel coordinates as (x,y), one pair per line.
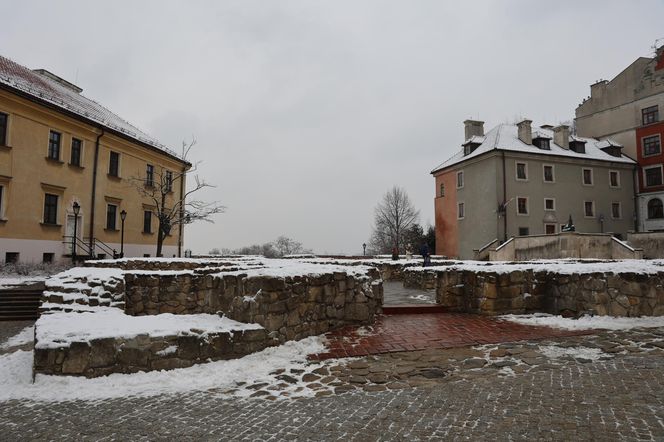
(123,216)
(364,249)
(77,209)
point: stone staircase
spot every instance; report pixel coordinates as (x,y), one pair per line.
(20,303)
(81,293)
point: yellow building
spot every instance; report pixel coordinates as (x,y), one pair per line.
(61,152)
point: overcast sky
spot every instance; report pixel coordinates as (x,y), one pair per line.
(306,112)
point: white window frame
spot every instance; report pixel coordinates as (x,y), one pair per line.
(463,179)
(617,172)
(527,206)
(553,173)
(661,171)
(643,148)
(620,213)
(585,215)
(583,176)
(554,205)
(516,170)
(461,210)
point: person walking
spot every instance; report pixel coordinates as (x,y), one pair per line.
(426,258)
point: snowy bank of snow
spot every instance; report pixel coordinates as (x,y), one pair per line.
(59,329)
(220,376)
(13,281)
(560,266)
(587,322)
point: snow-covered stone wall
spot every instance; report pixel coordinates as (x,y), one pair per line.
(290,307)
(530,290)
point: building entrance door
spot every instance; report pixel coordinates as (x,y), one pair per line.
(69,233)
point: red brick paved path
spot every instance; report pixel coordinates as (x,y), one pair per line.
(393,333)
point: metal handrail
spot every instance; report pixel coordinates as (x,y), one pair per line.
(105,247)
(80,244)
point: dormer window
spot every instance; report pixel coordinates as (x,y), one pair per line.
(470,148)
(577,146)
(542,143)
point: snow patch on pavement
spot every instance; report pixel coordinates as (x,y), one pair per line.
(587,322)
(555,352)
(222,377)
(23,337)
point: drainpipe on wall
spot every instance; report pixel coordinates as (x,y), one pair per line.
(635,178)
(94,191)
(504,199)
(180,226)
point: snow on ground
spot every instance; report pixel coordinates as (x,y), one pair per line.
(587,322)
(561,266)
(10,281)
(58,328)
(25,336)
(220,376)
(554,352)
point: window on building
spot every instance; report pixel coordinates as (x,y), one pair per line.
(76,146)
(616,210)
(521,171)
(460,179)
(2,200)
(114,164)
(549,229)
(169,181)
(147,221)
(149,175)
(461,211)
(524,231)
(442,190)
(549,204)
(11,257)
(542,143)
(522,205)
(4,118)
(589,209)
(614,178)
(111,216)
(50,209)
(649,115)
(588,177)
(655,209)
(54,139)
(548,173)
(653,176)
(47,258)
(651,146)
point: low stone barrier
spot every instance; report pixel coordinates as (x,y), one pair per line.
(421,279)
(100,357)
(266,306)
(290,307)
(532,290)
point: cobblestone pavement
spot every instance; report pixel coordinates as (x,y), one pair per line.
(607,386)
(394,293)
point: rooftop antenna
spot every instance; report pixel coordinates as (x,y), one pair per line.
(76,77)
(656,45)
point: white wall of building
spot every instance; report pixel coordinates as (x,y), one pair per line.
(645,224)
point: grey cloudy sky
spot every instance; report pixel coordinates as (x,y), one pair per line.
(306,112)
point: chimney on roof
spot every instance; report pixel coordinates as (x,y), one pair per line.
(597,89)
(561,136)
(473,128)
(525,131)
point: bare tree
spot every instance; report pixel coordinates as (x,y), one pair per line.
(394,216)
(171,207)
